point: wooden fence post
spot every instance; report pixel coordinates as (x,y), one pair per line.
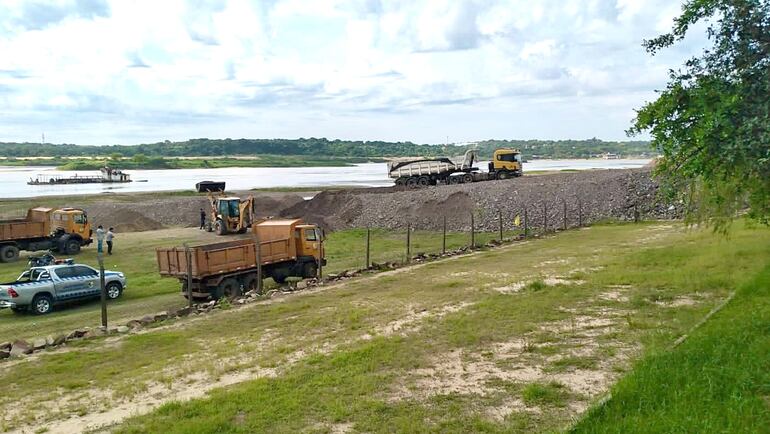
(100,258)
(564,204)
(526,223)
(258,257)
(473,232)
(408,242)
(188,257)
(500,223)
(443,240)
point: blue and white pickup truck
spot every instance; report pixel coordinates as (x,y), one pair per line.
(39,288)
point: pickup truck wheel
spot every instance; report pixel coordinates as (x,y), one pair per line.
(9,253)
(229,288)
(41,304)
(114,289)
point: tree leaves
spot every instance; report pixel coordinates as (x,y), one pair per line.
(712,123)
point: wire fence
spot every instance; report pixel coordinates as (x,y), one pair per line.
(429,238)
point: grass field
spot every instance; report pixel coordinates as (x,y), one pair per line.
(717,381)
(148,293)
(518,339)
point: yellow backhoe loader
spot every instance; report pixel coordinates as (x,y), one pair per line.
(230,215)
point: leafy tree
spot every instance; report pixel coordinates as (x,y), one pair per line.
(140,159)
(116,156)
(712,122)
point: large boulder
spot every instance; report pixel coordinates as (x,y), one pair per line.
(20,347)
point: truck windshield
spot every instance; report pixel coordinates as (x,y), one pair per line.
(509,157)
(79,219)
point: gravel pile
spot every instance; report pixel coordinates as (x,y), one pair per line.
(150,214)
(588,197)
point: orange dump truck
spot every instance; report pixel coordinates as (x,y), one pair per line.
(63,230)
(227,269)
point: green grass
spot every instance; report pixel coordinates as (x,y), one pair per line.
(355,380)
(351,385)
(551,393)
(717,381)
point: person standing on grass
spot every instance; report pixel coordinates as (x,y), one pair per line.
(203,219)
(99,239)
(108,238)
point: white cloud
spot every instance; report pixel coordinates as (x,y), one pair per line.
(127,72)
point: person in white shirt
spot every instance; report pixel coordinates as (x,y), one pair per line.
(99,239)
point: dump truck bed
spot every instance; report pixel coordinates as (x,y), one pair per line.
(421,167)
(36,224)
(277,244)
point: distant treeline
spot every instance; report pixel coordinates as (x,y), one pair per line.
(325,147)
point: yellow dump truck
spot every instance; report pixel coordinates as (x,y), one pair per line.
(286,248)
(506,163)
(64,230)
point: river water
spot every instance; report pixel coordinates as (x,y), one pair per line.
(13,180)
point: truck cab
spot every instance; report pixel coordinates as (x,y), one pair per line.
(308,239)
(73,221)
(505,163)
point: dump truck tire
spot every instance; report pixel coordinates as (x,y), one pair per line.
(310,269)
(229,288)
(71,246)
(279,276)
(467,178)
(250,282)
(411,182)
(503,175)
(454,180)
(9,253)
(423,181)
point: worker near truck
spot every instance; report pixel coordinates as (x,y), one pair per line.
(110,235)
(203,219)
(99,239)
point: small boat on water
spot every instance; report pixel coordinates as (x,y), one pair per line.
(109,175)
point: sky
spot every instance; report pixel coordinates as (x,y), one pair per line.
(128,72)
